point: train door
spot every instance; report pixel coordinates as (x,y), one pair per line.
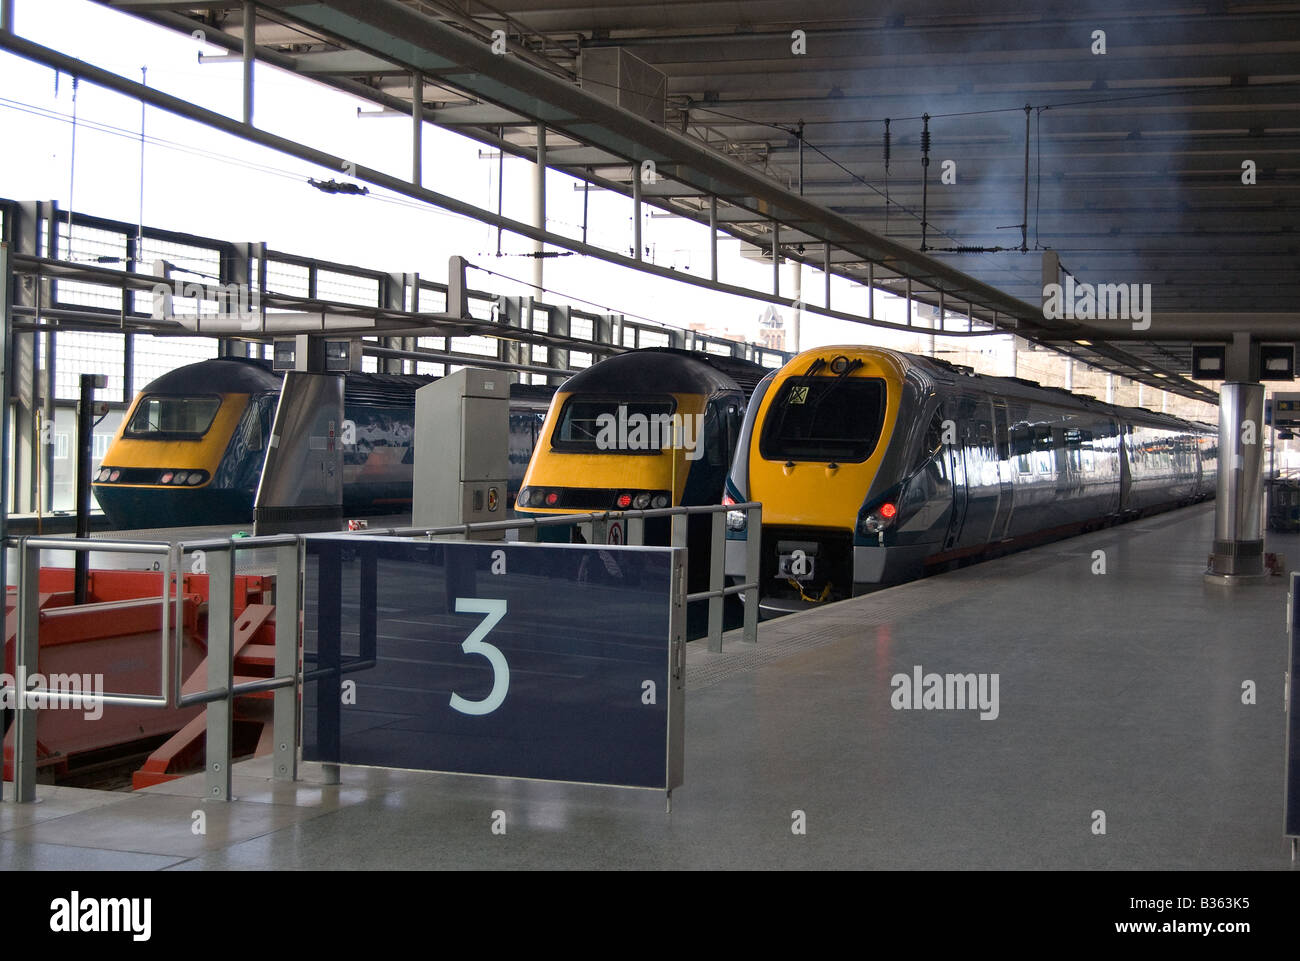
(957,471)
(1124,443)
(980,470)
(1002,451)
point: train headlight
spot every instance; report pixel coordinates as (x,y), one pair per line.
(179,477)
(101,474)
(660,500)
(735,520)
(196,477)
(524,496)
(879,519)
(641,501)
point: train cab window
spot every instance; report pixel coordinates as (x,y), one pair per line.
(824,419)
(170,416)
(933,442)
(721,429)
(595,425)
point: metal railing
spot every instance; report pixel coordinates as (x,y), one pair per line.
(219,564)
(221,689)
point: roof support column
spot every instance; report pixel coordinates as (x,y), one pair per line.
(539,209)
(1238,541)
(7,15)
(713,238)
(1238,532)
(798,304)
(636,213)
(826,271)
(250,54)
(417,128)
(776,259)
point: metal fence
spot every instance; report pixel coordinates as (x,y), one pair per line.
(219,562)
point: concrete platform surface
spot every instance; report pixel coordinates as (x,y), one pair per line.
(1122,740)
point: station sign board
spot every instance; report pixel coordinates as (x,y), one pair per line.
(546,661)
(1286,410)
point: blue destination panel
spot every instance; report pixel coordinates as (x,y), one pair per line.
(517,660)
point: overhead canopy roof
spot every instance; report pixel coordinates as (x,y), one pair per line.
(1135,158)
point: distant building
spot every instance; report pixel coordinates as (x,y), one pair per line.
(771,329)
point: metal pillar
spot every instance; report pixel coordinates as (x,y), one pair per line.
(417,128)
(7,15)
(826,271)
(776,259)
(85,448)
(394,295)
(539,209)
(1238,543)
(558,357)
(1069,373)
(23,369)
(288,568)
(49,357)
(250,54)
(871,290)
(636,213)
(221,668)
(26,659)
(798,305)
(713,239)
(1110,388)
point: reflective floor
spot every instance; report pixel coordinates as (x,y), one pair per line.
(1120,741)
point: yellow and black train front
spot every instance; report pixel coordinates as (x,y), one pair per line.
(191,447)
(641,430)
(823,450)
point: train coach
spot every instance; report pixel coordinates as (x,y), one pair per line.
(876,467)
(191,448)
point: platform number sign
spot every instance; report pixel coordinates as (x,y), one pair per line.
(516,660)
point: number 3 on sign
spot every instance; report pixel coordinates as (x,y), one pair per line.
(474,644)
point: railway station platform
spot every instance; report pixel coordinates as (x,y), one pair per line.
(1120,741)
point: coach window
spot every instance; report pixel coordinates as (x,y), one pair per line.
(1022,444)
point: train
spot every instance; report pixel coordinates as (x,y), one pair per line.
(191,447)
(876,467)
(646,429)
